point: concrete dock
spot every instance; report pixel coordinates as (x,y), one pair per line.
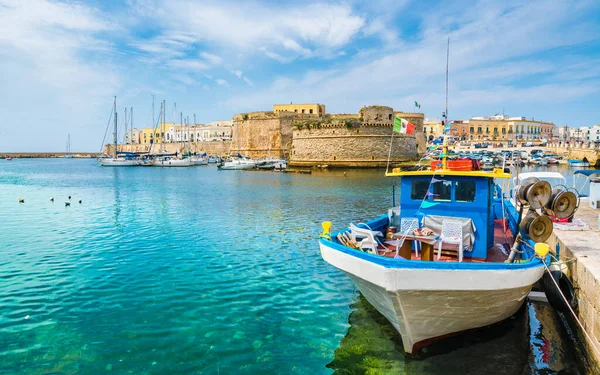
(581,250)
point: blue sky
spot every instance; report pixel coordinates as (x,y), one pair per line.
(61,62)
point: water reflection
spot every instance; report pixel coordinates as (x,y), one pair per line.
(533,341)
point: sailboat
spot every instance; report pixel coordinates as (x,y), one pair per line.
(116,161)
(442,266)
(68,153)
(169,160)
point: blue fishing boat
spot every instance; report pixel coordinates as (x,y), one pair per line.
(457,254)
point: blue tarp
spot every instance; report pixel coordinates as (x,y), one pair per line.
(587,172)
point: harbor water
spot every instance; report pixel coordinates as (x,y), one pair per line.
(200,271)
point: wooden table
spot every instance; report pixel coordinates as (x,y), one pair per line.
(427,243)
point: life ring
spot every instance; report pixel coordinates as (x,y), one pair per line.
(557,271)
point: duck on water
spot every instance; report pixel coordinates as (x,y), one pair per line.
(458,254)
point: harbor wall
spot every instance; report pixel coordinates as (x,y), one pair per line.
(579,249)
(578,151)
(263,134)
(341,146)
(355,140)
(212,148)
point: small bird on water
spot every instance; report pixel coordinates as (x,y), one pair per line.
(67,204)
(69,197)
(80,201)
(51,199)
(21,200)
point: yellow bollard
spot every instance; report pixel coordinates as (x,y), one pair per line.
(326,228)
(541,249)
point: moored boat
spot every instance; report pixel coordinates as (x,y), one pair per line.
(578,163)
(237,163)
(467,284)
(171,161)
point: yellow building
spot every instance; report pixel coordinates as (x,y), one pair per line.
(432,128)
(316,109)
(151,135)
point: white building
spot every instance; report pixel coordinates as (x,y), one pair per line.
(592,134)
(563,133)
(132,136)
(213,131)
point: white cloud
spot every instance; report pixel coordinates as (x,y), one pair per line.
(188,64)
(211,59)
(238,73)
(299,30)
(222,82)
(249,82)
(54,58)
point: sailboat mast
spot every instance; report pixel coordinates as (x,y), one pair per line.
(445,149)
(115,132)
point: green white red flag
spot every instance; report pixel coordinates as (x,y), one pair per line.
(403,126)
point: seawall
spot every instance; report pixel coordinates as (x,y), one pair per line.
(581,251)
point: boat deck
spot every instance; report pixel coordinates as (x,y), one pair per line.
(494,255)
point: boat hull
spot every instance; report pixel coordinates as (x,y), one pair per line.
(426,304)
(118,163)
(172,163)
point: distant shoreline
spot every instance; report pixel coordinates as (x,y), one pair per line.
(49,155)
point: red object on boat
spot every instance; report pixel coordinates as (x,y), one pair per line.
(453,165)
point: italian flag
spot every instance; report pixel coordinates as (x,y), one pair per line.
(403,126)
(417,105)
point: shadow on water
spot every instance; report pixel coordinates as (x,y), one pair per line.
(533,341)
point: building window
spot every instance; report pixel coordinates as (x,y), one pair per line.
(390,116)
(296,110)
(503,130)
(310,111)
(472,130)
(302,111)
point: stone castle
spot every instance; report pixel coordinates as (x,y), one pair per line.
(336,140)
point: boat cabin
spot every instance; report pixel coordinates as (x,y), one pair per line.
(469,197)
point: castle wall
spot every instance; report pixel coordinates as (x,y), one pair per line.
(263,134)
(344,146)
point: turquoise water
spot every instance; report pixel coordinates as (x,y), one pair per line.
(200,271)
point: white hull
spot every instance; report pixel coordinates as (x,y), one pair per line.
(199,160)
(118,162)
(172,163)
(428,303)
(238,164)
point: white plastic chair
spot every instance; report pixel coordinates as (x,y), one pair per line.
(369,240)
(357,232)
(451,234)
(407,227)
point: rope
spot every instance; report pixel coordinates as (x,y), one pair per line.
(106,131)
(592,342)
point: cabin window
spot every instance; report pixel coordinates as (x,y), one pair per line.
(442,191)
(419,188)
(465,191)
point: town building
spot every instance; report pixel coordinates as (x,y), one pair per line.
(132,136)
(316,109)
(504,128)
(432,128)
